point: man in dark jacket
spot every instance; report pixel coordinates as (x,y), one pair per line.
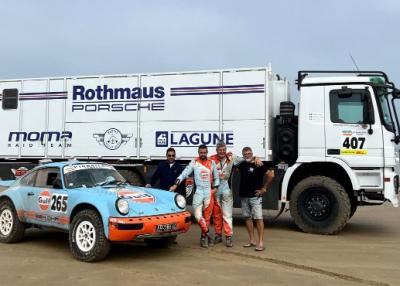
(167,172)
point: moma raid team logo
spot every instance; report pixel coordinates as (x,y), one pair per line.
(192,138)
(112,139)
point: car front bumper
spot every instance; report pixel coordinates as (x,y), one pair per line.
(133,228)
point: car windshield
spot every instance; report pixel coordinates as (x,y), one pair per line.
(90,175)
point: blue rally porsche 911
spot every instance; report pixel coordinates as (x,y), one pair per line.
(92,202)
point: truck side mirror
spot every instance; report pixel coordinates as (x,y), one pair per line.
(345,92)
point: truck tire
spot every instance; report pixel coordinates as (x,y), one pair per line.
(86,237)
(161,242)
(11,228)
(353,208)
(320,205)
(131,177)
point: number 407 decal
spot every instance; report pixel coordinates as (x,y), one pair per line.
(354,142)
(59,203)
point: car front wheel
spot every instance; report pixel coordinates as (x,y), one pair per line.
(86,237)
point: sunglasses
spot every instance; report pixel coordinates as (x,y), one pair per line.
(171,155)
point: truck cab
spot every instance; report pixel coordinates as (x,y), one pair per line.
(346,136)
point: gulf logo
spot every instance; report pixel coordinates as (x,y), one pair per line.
(204,175)
(44,200)
(138,197)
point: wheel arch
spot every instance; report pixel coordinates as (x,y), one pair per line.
(81,207)
(332,170)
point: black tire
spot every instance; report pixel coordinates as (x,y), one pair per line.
(320,205)
(11,228)
(161,242)
(353,207)
(101,246)
(131,177)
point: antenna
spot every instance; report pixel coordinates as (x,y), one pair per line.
(354,62)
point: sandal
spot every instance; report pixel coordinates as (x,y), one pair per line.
(259,248)
(250,244)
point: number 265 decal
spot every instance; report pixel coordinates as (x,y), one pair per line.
(354,142)
(59,203)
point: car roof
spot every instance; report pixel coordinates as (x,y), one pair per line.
(66,163)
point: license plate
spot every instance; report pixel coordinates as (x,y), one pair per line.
(166,227)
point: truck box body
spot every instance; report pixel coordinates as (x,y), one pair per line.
(138,116)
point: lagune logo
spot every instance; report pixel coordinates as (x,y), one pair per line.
(192,138)
(44,138)
(107,99)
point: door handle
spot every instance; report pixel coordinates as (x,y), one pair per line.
(333,152)
(31,194)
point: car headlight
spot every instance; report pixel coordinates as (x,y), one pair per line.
(122,206)
(180,201)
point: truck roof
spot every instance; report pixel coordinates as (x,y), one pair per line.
(336,79)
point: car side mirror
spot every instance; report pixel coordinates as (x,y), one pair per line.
(57,184)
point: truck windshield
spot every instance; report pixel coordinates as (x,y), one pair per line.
(99,175)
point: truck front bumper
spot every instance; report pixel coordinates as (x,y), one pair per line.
(391,186)
(133,228)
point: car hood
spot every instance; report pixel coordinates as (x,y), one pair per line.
(142,201)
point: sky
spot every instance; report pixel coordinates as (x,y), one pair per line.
(58,38)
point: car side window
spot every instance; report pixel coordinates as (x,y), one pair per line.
(45,177)
(349,108)
(28,179)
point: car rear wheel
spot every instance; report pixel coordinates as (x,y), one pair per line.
(86,237)
(11,228)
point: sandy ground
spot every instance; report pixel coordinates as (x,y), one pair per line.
(366,252)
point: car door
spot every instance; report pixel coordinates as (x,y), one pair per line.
(49,200)
(26,189)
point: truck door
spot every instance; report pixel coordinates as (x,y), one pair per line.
(353,131)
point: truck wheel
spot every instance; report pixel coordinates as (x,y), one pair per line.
(131,177)
(11,228)
(86,237)
(353,207)
(161,242)
(319,204)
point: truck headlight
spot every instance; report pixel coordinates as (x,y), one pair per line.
(122,206)
(180,201)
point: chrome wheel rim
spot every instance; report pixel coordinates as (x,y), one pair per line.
(85,236)
(6,222)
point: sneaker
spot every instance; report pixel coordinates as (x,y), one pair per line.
(229,242)
(217,239)
(204,241)
(210,241)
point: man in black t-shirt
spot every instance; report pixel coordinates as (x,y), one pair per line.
(252,188)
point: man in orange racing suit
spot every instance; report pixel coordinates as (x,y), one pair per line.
(207,180)
(223,199)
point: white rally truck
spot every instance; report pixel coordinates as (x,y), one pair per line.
(337,153)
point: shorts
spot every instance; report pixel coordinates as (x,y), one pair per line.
(252,207)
